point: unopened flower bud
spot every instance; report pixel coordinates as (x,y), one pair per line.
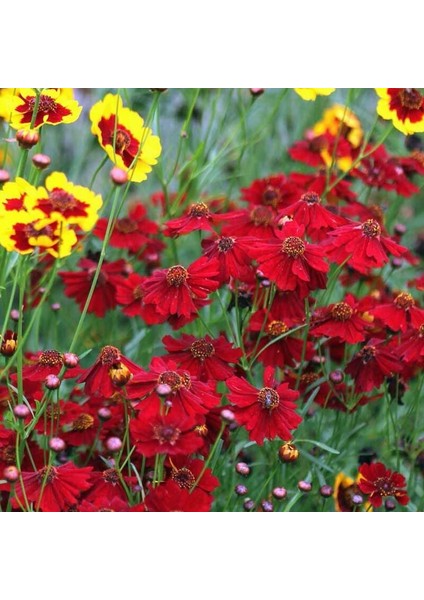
(4,176)
(118,176)
(163,389)
(336,376)
(104,413)
(159,90)
(248,504)
(21,411)
(27,138)
(240,489)
(399,229)
(357,499)
(288,453)
(120,374)
(56,306)
(279,493)
(326,491)
(14,314)
(52,382)
(11,474)
(227,415)
(304,486)
(242,469)
(70,360)
(267,506)
(41,161)
(57,444)
(396,262)
(8,343)
(113,444)
(390,504)
(256,91)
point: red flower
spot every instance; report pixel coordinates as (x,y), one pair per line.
(53,489)
(197,217)
(185,472)
(340,320)
(400,314)
(291,262)
(362,245)
(274,191)
(109,374)
(411,348)
(371,365)
(318,150)
(78,283)
(205,358)
(169,497)
(188,397)
(317,182)
(317,219)
(180,292)
(130,294)
(268,412)
(379,482)
(154,433)
(258,222)
(232,256)
(107,486)
(129,232)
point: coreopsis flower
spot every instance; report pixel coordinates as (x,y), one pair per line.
(317,219)
(17,196)
(24,232)
(321,150)
(169,497)
(185,471)
(317,182)
(400,314)
(64,201)
(8,343)
(411,348)
(78,284)
(272,351)
(339,120)
(291,262)
(129,232)
(313,93)
(372,365)
(362,246)
(130,295)
(341,320)
(231,254)
(268,412)
(52,489)
(177,291)
(47,362)
(108,485)
(275,191)
(110,372)
(404,107)
(54,107)
(378,482)
(79,423)
(153,433)
(197,217)
(121,133)
(187,395)
(259,222)
(206,358)
(101,504)
(345,488)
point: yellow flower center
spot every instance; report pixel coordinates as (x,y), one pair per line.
(269,398)
(176,276)
(341,311)
(371,228)
(199,209)
(50,358)
(122,141)
(276,328)
(293,247)
(202,349)
(83,422)
(225,244)
(61,200)
(404,300)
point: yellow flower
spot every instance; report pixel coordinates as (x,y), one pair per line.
(340,120)
(312,93)
(121,133)
(62,200)
(16,196)
(54,107)
(404,107)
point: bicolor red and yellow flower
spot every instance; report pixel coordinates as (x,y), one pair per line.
(404,107)
(121,133)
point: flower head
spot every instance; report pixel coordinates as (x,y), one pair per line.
(403,106)
(378,482)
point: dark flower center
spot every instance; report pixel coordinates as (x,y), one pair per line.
(421,330)
(46,104)
(166,434)
(371,228)
(137,292)
(109,356)
(271,196)
(269,398)
(225,244)
(47,474)
(111,476)
(122,141)
(61,200)
(126,225)
(50,358)
(176,276)
(83,422)
(410,98)
(172,379)
(318,144)
(404,300)
(308,378)
(384,487)
(311,198)
(366,354)
(202,349)
(276,328)
(31,231)
(261,215)
(199,209)
(341,311)
(184,478)
(293,247)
